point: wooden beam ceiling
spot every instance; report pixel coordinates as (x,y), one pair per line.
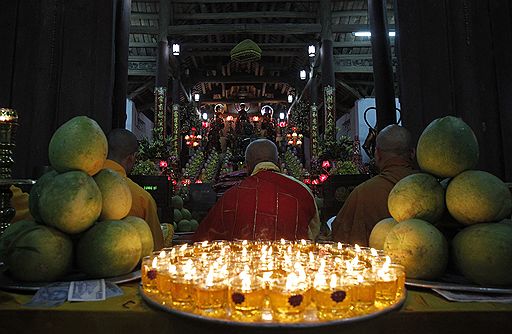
(251,28)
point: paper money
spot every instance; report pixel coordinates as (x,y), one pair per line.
(112,290)
(50,296)
(87,290)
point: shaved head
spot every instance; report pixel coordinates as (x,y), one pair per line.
(260,150)
(395,140)
(122,144)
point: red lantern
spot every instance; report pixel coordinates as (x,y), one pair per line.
(205,124)
(282,124)
(326,164)
(323,177)
(162,164)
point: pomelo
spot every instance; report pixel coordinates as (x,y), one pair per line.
(115,193)
(380,231)
(35,193)
(447,147)
(177,202)
(194,224)
(146,238)
(483,253)
(419,247)
(78,144)
(185,226)
(40,254)
(109,248)
(478,197)
(186,214)
(71,202)
(417,196)
(10,234)
(177,215)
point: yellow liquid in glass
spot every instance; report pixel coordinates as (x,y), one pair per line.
(148,277)
(182,294)
(246,305)
(332,304)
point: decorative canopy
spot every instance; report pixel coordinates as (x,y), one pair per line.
(246,51)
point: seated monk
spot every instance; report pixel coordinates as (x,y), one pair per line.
(122,147)
(367,204)
(267,205)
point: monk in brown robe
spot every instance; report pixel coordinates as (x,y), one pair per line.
(367,204)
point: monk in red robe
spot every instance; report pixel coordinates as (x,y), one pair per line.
(367,204)
(267,205)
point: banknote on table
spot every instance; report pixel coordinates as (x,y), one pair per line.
(112,290)
(50,296)
(81,291)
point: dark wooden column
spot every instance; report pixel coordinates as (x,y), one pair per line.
(57,62)
(327,65)
(122,36)
(313,118)
(162,71)
(175,149)
(454,59)
(382,69)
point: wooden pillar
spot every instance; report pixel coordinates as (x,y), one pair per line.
(313,118)
(122,36)
(327,65)
(175,148)
(382,69)
(162,72)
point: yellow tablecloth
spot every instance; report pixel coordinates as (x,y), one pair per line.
(423,312)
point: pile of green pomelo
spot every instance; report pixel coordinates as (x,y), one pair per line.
(183,221)
(80,213)
(449,216)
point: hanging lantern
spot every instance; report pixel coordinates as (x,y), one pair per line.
(175,49)
(246,51)
(311,50)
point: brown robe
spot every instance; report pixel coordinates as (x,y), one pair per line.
(367,204)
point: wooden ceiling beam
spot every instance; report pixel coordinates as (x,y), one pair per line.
(347,28)
(244,15)
(249,28)
(239,79)
(246,100)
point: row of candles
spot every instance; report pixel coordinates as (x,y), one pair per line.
(284,281)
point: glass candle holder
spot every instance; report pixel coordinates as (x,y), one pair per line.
(149,273)
(363,293)
(246,297)
(332,295)
(183,284)
(289,296)
(211,291)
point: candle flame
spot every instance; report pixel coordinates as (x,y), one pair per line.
(373,251)
(204,243)
(332,284)
(358,249)
(162,254)
(292,282)
(154,263)
(303,242)
(209,278)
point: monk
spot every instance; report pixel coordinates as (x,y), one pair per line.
(267,205)
(367,204)
(122,148)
